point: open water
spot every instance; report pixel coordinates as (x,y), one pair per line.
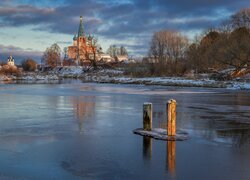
(78,130)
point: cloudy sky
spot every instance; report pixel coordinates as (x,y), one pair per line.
(27,27)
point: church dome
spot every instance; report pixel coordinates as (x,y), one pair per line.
(75,38)
(10,59)
(90,37)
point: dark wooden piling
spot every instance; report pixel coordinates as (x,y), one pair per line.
(147,116)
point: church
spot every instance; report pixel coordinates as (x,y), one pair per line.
(83,49)
(11,61)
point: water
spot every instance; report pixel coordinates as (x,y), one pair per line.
(84,131)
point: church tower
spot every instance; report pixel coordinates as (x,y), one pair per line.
(81,35)
(82,49)
(11,61)
(80,29)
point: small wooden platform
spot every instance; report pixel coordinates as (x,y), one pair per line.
(161,134)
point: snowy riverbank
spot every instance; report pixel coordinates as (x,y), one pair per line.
(170,81)
(116,76)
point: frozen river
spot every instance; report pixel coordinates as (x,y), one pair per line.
(84,131)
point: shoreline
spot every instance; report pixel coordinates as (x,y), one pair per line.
(175,82)
(101,77)
(116,76)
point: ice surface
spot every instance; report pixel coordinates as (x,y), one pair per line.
(78,130)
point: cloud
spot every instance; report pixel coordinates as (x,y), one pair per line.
(118,20)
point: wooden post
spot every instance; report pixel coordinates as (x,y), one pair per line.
(171,108)
(147,116)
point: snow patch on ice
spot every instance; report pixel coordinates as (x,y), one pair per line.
(161,134)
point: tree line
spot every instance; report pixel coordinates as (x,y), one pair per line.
(227,46)
(52,55)
(115,51)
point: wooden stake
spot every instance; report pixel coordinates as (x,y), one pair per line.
(171,108)
(147,116)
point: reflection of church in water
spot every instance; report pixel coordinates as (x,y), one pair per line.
(83,108)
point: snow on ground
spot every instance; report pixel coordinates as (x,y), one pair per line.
(239,85)
(76,70)
(111,71)
(116,76)
(172,81)
(5,78)
(29,77)
(166,81)
(68,71)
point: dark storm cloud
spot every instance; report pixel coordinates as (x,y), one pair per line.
(120,20)
(25,15)
(190,7)
(127,17)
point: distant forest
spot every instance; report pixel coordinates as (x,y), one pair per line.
(223,47)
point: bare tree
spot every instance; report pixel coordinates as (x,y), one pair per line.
(241,18)
(123,51)
(233,49)
(167,52)
(114,51)
(220,50)
(52,56)
(94,48)
(168,46)
(29,64)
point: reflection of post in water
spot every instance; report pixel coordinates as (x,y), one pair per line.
(171,150)
(83,108)
(147,147)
